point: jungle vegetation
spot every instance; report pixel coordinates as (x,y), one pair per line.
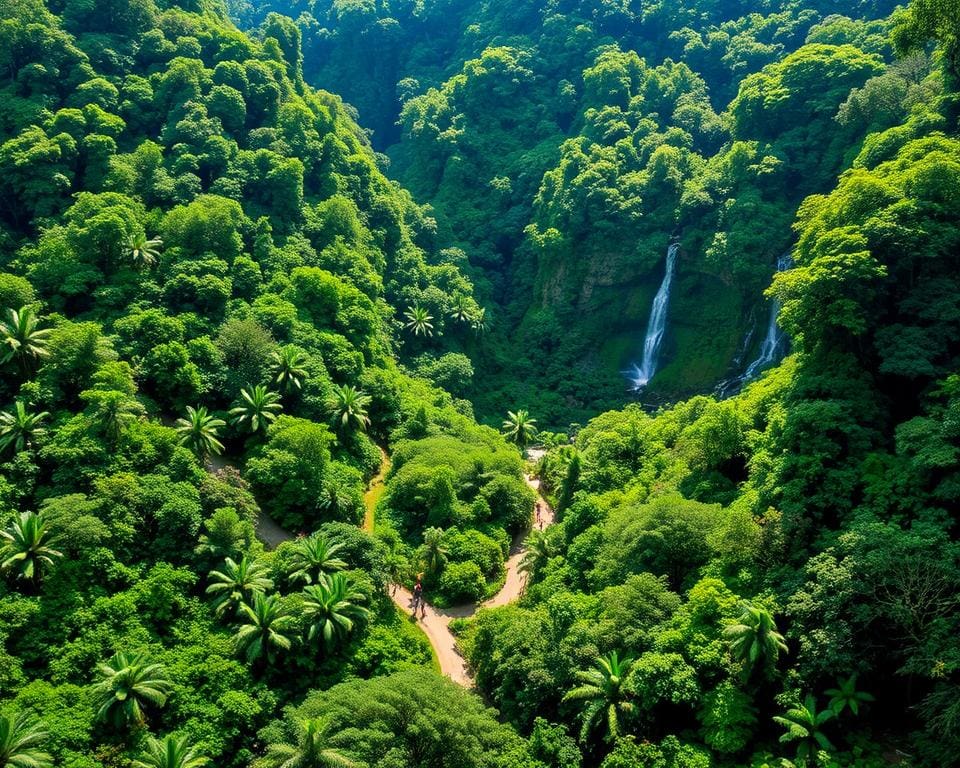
(256,257)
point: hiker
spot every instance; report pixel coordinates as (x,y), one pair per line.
(539,520)
(417,597)
(423,603)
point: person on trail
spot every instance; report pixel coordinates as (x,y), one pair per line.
(422,603)
(417,597)
(539,520)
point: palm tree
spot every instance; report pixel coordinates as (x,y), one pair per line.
(434,552)
(199,431)
(24,547)
(256,409)
(755,638)
(142,251)
(236,583)
(113,411)
(803,724)
(519,428)
(19,429)
(336,500)
(287,368)
(22,341)
(313,557)
(461,310)
(314,749)
(348,407)
(169,752)
(266,628)
(20,740)
(331,607)
(128,684)
(479,320)
(419,320)
(846,695)
(602,689)
(537,555)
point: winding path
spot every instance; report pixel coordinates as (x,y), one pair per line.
(436,624)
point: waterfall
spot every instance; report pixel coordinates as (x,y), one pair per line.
(774,343)
(639,375)
(732,385)
(772,348)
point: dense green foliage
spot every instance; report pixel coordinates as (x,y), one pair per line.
(202,280)
(220,322)
(562,144)
(782,566)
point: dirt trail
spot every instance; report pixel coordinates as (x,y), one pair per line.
(378,484)
(436,624)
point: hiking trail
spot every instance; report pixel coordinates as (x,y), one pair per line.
(436,624)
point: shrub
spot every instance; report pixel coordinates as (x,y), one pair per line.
(462,583)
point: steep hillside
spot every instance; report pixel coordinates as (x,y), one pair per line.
(204,284)
(239,367)
(563,146)
(783,563)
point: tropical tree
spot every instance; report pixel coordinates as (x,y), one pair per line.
(754,638)
(331,607)
(348,407)
(519,428)
(479,320)
(335,499)
(397,567)
(169,752)
(419,320)
(602,690)
(803,723)
(846,695)
(142,251)
(24,547)
(199,431)
(461,311)
(434,552)
(537,555)
(237,583)
(20,339)
(287,368)
(315,748)
(256,409)
(21,737)
(313,557)
(18,430)
(225,534)
(266,628)
(129,683)
(113,411)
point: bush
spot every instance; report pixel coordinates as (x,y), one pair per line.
(295,481)
(462,583)
(475,547)
(511,502)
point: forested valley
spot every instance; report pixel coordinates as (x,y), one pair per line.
(618,342)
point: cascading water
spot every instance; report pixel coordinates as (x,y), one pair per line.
(772,348)
(639,375)
(774,343)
